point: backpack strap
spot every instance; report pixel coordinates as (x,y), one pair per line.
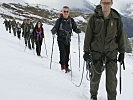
(60,19)
(71,22)
(60,23)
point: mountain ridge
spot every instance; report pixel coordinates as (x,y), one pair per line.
(49,15)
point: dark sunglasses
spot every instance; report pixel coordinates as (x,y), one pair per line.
(66,11)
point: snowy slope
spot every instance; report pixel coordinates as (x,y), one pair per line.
(24,76)
(57,4)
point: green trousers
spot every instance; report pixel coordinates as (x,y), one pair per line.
(108,62)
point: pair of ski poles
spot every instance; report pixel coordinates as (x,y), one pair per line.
(70,57)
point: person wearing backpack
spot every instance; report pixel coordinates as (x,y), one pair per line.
(38,36)
(104,38)
(63,27)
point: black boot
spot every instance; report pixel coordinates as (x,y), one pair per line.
(93,97)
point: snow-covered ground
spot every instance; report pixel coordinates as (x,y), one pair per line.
(80,18)
(10,12)
(24,76)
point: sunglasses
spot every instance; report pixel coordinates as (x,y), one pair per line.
(106,3)
(65,11)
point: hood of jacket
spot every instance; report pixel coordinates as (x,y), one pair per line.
(99,13)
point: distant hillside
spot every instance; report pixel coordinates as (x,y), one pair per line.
(49,15)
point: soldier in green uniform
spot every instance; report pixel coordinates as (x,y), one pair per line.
(104,39)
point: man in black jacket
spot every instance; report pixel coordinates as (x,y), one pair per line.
(63,27)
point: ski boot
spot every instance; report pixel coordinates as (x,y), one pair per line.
(62,66)
(67,69)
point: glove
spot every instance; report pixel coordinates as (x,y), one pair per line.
(78,30)
(42,36)
(87,56)
(53,30)
(121,57)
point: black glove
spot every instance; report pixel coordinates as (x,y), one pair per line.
(78,30)
(53,31)
(42,36)
(121,57)
(87,56)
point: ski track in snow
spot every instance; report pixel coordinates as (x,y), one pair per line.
(24,76)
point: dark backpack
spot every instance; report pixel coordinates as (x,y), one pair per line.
(60,22)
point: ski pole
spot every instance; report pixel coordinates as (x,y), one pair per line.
(71,66)
(121,63)
(120,78)
(52,53)
(45,47)
(79,49)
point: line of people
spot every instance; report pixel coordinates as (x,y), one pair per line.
(32,35)
(11,25)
